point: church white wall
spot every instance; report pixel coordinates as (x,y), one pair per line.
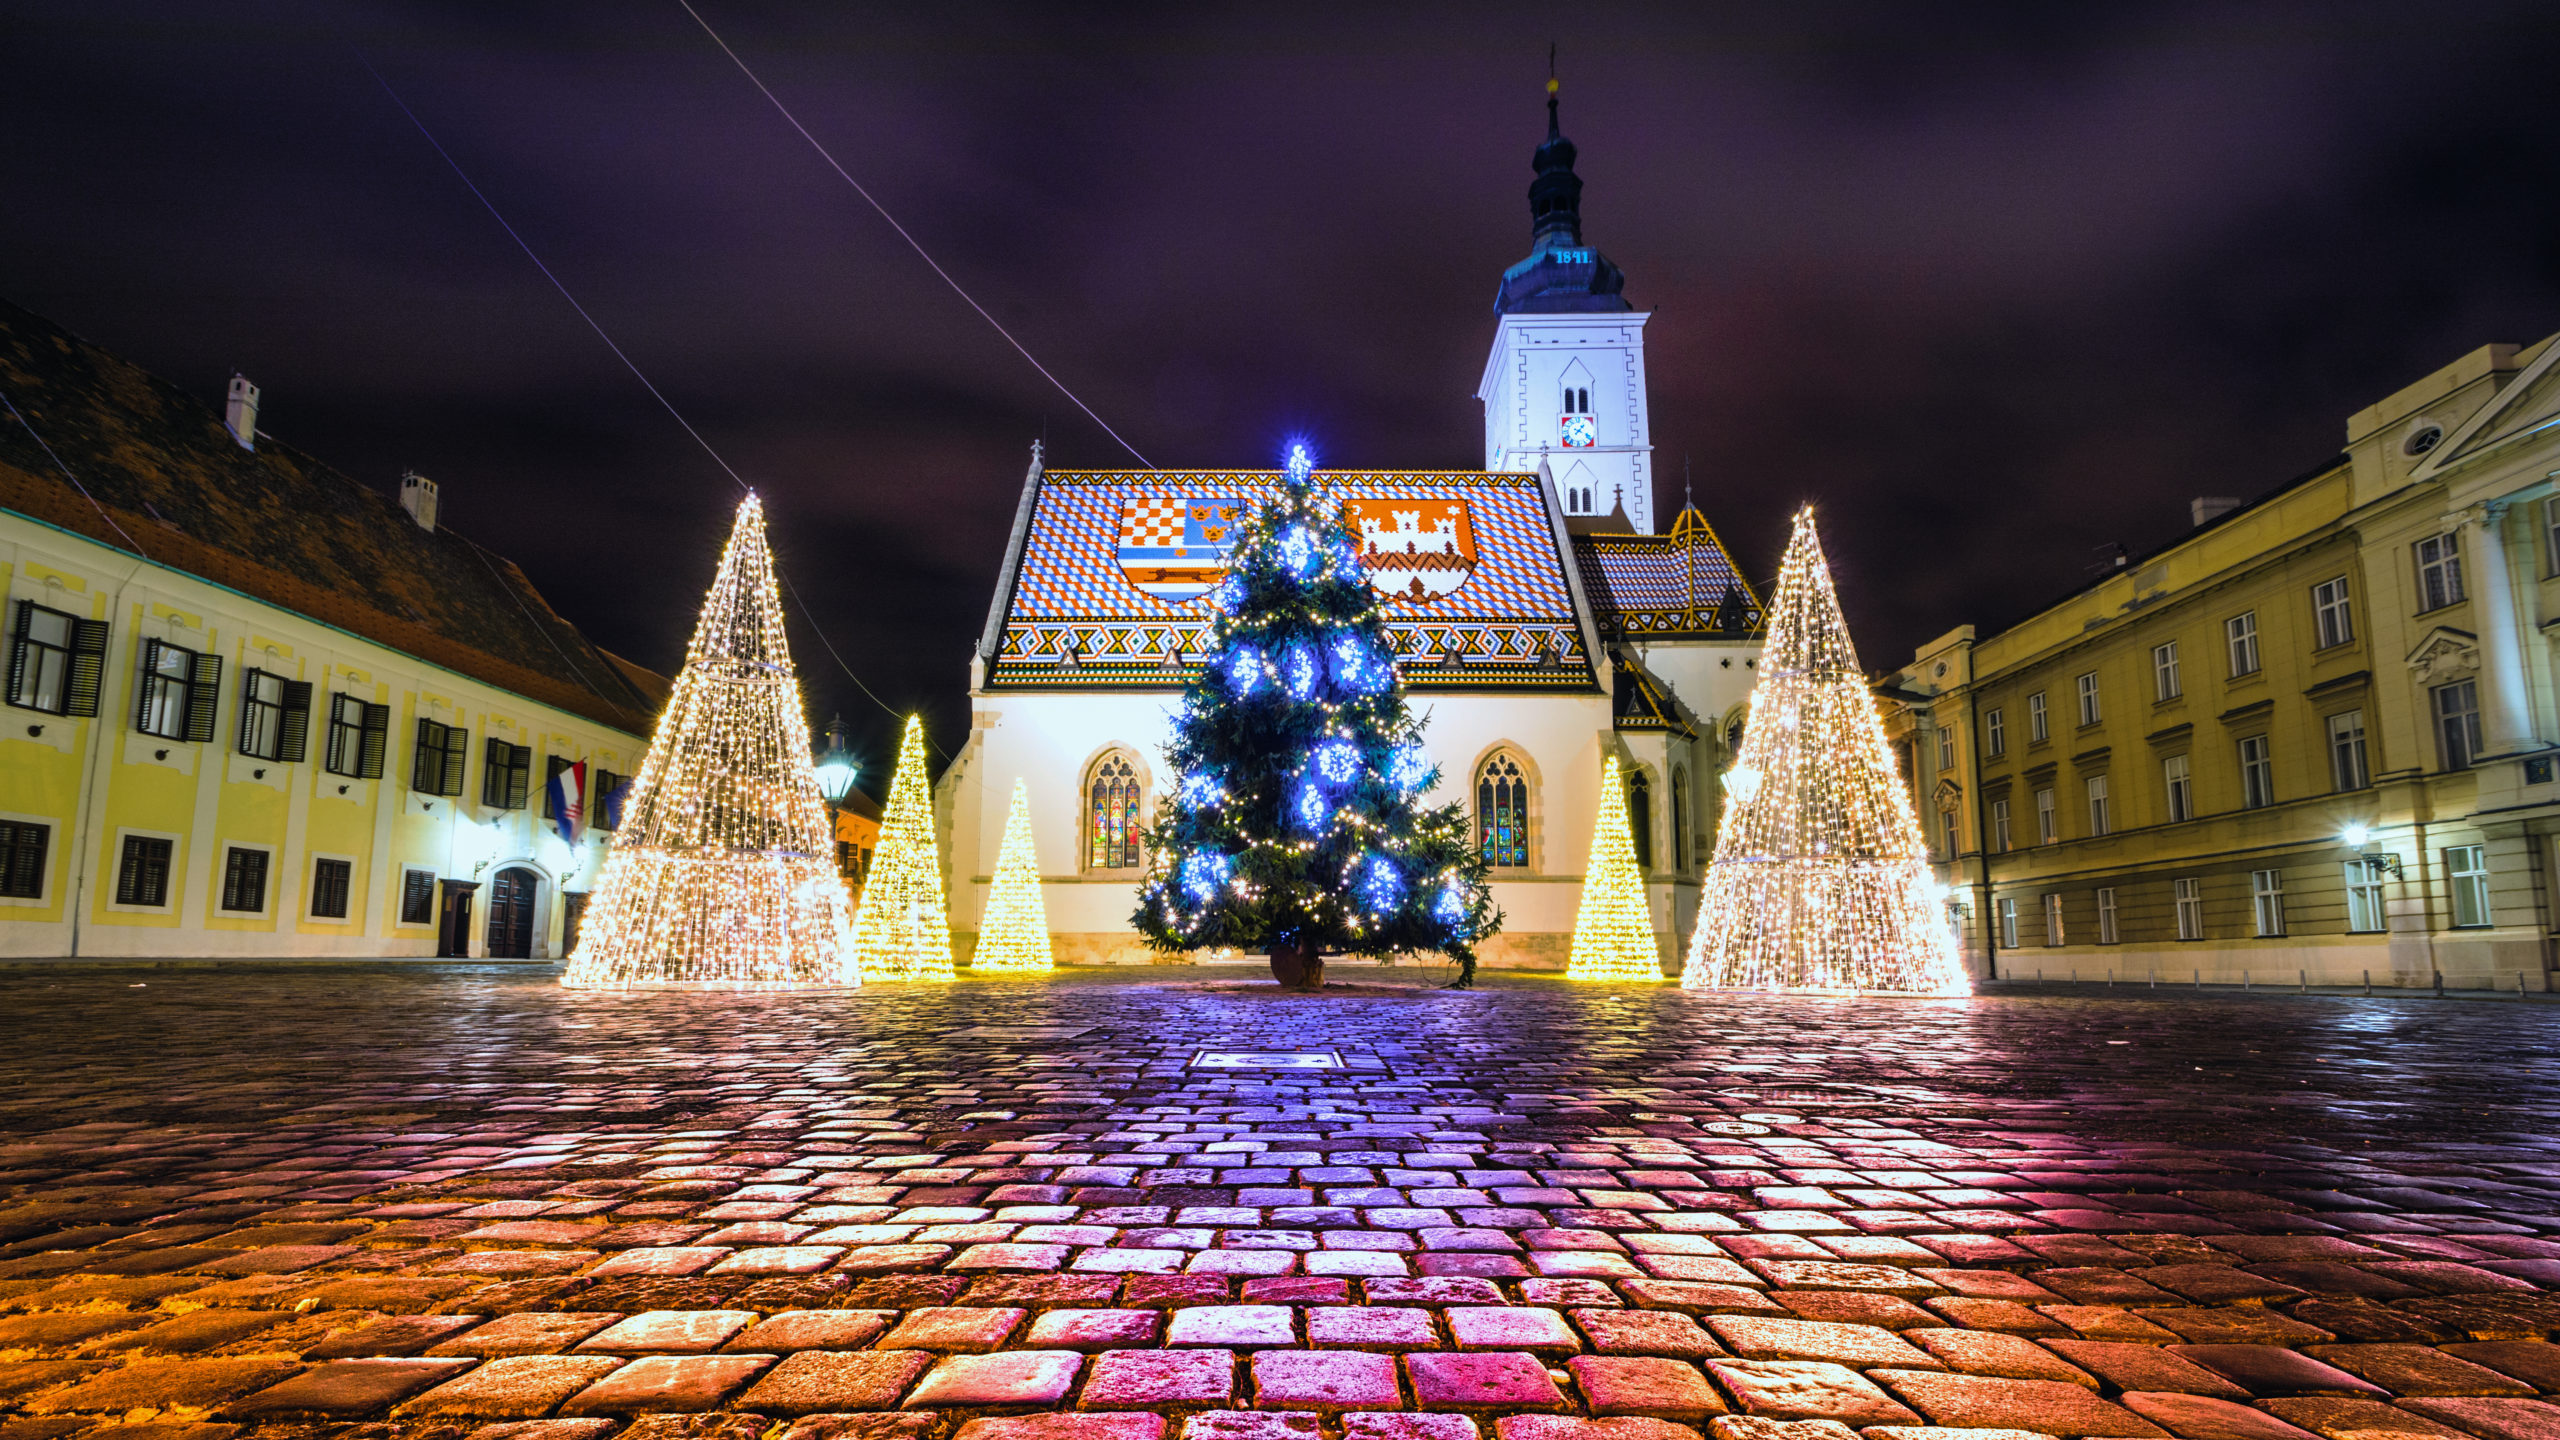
(1523,389)
(1052,740)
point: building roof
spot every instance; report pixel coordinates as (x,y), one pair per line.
(281,527)
(1105,588)
(1677,586)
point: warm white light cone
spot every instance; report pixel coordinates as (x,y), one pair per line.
(1613,931)
(723,873)
(904,929)
(1821,876)
(1014,933)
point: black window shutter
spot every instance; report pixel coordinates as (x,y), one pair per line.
(493,771)
(240,729)
(457,751)
(297,722)
(202,691)
(142,692)
(88,667)
(377,736)
(18,650)
(423,776)
(519,775)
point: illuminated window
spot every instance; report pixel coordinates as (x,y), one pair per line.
(1111,811)
(1502,812)
(2467,866)
(56,661)
(175,699)
(275,717)
(2364,896)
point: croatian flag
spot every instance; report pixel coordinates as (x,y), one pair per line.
(568,792)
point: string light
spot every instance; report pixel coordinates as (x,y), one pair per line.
(1613,931)
(1014,934)
(1821,876)
(904,930)
(723,874)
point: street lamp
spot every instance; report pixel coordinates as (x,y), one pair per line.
(2377,862)
(836,767)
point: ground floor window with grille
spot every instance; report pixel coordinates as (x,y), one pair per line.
(2364,896)
(23,844)
(417,897)
(2467,870)
(2188,893)
(330,882)
(2009,923)
(2266,900)
(2052,918)
(2106,915)
(244,879)
(142,872)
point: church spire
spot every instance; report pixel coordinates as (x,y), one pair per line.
(1561,274)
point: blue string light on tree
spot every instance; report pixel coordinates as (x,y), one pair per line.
(1338,761)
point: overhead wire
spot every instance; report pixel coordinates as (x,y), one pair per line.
(903,234)
(618,353)
(30,428)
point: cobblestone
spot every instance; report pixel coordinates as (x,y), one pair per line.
(456,1203)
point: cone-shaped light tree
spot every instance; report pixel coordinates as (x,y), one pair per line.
(1296,823)
(1014,932)
(1613,931)
(1821,876)
(904,929)
(723,873)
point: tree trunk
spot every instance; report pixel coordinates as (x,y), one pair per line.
(1297,969)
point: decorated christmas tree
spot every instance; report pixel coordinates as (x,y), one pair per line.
(1014,932)
(1613,932)
(1821,878)
(904,929)
(723,873)
(1296,823)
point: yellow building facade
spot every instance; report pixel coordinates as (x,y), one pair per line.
(255,709)
(2312,740)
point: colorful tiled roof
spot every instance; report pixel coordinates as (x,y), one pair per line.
(169,481)
(1107,590)
(1680,585)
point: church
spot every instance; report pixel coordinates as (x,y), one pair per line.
(1541,624)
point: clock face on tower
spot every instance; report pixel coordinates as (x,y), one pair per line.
(1580,433)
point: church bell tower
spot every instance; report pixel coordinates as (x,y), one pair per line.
(1565,384)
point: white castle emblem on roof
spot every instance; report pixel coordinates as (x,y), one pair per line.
(1408,537)
(1415,549)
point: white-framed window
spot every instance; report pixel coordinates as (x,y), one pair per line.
(2240,635)
(2000,826)
(2107,915)
(2439,561)
(2053,917)
(175,699)
(2088,685)
(2182,792)
(2332,618)
(2551,536)
(2457,708)
(1948,838)
(2164,671)
(2098,818)
(244,879)
(26,866)
(1995,732)
(2257,773)
(332,892)
(2048,821)
(2187,899)
(2038,726)
(2467,868)
(2266,901)
(2364,896)
(417,895)
(1946,748)
(146,870)
(2347,768)
(275,717)
(57,661)
(359,736)
(2009,923)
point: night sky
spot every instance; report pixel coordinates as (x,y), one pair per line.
(1994,287)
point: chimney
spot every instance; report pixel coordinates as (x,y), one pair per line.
(418,497)
(240,412)
(2208,508)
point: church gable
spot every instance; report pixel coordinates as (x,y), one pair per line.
(1677,586)
(2529,404)
(1110,590)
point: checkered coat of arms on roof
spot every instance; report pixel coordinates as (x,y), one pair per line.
(1175,547)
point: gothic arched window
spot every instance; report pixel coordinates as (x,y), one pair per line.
(1680,820)
(1640,817)
(1502,811)
(1112,815)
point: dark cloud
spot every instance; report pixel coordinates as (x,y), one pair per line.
(1993,286)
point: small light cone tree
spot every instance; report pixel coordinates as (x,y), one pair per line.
(723,873)
(1820,880)
(904,929)
(1296,824)
(1613,931)
(1013,935)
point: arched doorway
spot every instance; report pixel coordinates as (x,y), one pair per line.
(511,893)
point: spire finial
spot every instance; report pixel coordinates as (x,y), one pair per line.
(1553,85)
(1688,495)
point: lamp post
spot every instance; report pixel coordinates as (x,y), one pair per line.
(836,772)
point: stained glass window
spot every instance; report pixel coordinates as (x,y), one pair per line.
(1502,811)
(1114,845)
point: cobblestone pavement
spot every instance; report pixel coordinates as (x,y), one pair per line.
(455,1201)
